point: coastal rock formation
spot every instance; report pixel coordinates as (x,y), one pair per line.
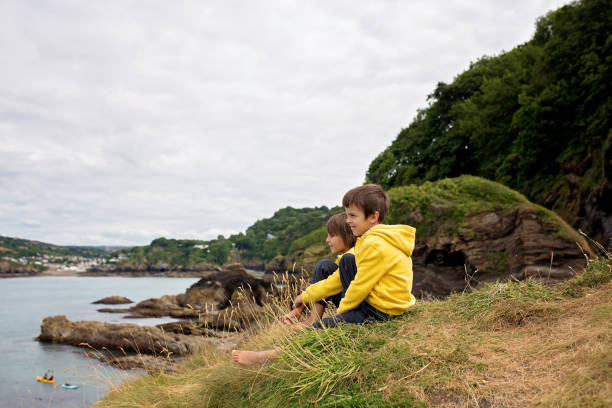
(216,311)
(471,231)
(113,300)
(113,310)
(7,270)
(215,290)
(279,264)
(490,247)
(152,364)
(165,306)
(205,299)
(127,337)
(154,349)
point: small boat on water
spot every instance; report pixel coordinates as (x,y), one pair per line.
(45,380)
(70,386)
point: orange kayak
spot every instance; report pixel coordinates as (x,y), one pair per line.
(41,379)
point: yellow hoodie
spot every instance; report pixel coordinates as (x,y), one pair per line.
(332,284)
(384,272)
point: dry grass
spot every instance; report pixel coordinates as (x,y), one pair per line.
(559,360)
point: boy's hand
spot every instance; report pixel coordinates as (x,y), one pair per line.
(296,312)
(297,302)
(292,317)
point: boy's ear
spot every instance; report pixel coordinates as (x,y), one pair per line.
(374,217)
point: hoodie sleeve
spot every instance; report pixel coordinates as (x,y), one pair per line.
(370,269)
(323,289)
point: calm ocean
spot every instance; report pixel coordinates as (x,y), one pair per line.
(25,302)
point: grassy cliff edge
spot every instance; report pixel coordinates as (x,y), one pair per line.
(509,344)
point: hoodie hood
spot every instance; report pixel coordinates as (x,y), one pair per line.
(399,236)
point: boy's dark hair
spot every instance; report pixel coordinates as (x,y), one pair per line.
(369,198)
(336,225)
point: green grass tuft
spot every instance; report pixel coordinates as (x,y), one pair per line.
(596,273)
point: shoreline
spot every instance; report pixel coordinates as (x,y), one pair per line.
(54,273)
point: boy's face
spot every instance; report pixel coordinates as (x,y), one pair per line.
(336,243)
(359,223)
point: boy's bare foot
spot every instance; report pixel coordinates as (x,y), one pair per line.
(248,358)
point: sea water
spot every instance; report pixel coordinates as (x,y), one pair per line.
(25,302)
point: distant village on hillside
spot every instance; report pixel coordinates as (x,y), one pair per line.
(32,256)
(64,263)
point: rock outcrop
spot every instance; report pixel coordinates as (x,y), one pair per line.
(471,231)
(492,246)
(280,264)
(7,270)
(129,346)
(124,336)
(205,299)
(215,290)
(113,300)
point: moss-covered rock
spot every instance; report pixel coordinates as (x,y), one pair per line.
(471,230)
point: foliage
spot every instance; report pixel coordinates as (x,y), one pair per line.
(176,254)
(17,248)
(526,118)
(596,273)
(288,230)
(274,236)
(315,237)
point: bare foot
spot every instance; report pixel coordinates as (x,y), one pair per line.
(248,358)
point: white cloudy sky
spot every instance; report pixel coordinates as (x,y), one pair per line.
(123,121)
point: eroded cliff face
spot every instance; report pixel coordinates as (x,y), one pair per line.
(493,246)
(471,231)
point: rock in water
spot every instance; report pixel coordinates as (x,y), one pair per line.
(113,300)
(215,291)
(124,336)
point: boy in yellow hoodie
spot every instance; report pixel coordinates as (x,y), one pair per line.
(377,280)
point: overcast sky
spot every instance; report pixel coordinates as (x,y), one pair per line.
(124,121)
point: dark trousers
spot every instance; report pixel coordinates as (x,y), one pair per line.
(363,313)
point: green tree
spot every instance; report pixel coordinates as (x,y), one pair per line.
(528,118)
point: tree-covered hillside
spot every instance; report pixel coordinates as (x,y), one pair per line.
(173,254)
(536,118)
(20,248)
(289,229)
(274,236)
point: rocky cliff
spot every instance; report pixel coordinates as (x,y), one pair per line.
(471,231)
